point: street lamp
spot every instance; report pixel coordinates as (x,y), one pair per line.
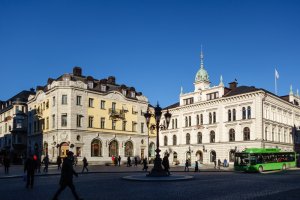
(157,169)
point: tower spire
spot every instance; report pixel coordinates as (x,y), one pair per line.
(201,58)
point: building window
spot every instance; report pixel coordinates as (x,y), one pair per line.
(279,134)
(212,137)
(273,130)
(197,120)
(78,120)
(113,148)
(186,121)
(214,117)
(188,101)
(173,123)
(201,119)
(231,135)
(47,123)
(64,100)
(174,140)
(103,88)
(210,118)
(91,120)
(96,148)
(176,123)
(233,115)
(246,134)
(213,95)
(102,123)
(266,133)
(231,155)
(199,138)
(134,126)
(53,121)
(165,141)
(128,149)
(91,102)
(190,121)
(249,112)
(78,100)
(244,113)
(113,106)
(102,104)
(113,124)
(53,101)
(188,138)
(132,94)
(64,120)
(124,125)
(142,127)
(229,115)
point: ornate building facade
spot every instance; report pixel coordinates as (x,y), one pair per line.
(98,119)
(214,122)
(13,126)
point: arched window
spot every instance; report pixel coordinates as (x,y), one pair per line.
(212,137)
(165,141)
(186,121)
(210,118)
(174,140)
(244,113)
(188,138)
(113,148)
(96,148)
(231,155)
(249,112)
(229,115)
(198,119)
(214,117)
(266,133)
(213,156)
(199,138)
(233,115)
(246,134)
(231,135)
(152,150)
(174,157)
(128,149)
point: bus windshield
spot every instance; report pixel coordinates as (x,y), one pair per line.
(241,159)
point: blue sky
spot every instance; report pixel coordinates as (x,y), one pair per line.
(151,45)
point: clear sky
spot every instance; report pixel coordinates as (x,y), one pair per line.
(151,45)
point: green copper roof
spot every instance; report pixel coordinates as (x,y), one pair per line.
(202,74)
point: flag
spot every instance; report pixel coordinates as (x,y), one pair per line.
(276,74)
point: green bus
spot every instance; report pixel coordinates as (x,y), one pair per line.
(261,159)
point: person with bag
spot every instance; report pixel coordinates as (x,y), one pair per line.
(85,164)
(29,167)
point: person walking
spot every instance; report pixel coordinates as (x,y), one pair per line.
(38,163)
(66,178)
(58,162)
(135,161)
(128,161)
(225,163)
(30,167)
(196,166)
(186,166)
(215,163)
(165,163)
(6,163)
(219,164)
(46,163)
(119,160)
(85,164)
(145,164)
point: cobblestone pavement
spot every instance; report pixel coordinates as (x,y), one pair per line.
(206,185)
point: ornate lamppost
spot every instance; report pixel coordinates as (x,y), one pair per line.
(157,169)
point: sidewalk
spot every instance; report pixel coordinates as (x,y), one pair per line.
(17,171)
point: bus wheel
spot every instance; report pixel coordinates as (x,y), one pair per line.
(283,167)
(260,169)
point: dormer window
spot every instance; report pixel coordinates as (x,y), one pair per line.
(90,85)
(124,92)
(103,88)
(132,94)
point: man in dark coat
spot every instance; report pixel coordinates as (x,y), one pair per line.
(165,163)
(6,163)
(30,167)
(66,178)
(58,162)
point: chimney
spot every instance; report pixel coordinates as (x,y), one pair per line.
(233,84)
(77,71)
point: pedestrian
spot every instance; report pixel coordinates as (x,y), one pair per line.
(75,160)
(58,162)
(6,163)
(128,161)
(165,163)
(119,160)
(46,163)
(85,164)
(196,166)
(66,178)
(30,167)
(145,164)
(135,161)
(116,161)
(219,163)
(186,166)
(113,159)
(215,163)
(38,163)
(225,163)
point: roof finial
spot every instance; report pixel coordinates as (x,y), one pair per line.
(181,90)
(297,93)
(201,58)
(291,90)
(221,81)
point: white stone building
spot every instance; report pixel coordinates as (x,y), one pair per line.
(213,122)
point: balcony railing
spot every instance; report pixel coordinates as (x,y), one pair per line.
(116,114)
